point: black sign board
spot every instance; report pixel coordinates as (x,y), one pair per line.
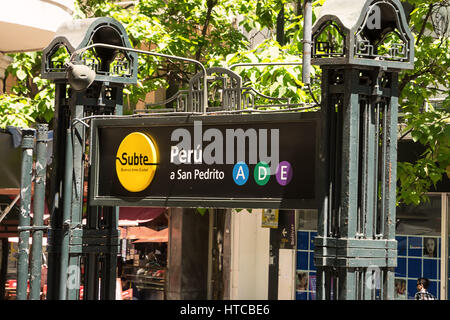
(286,229)
(217,161)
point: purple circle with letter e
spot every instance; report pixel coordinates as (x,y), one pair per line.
(284,173)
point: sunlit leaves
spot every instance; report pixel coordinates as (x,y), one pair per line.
(15,111)
(430,78)
(31,98)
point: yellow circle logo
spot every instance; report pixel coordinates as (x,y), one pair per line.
(136,161)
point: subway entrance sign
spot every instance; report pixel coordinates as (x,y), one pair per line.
(266,160)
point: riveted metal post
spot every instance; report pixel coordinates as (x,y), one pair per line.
(355,250)
(38,215)
(70,241)
(350,161)
(92,261)
(78,136)
(25,208)
(111,216)
(307,26)
(390,176)
(356,233)
(56,178)
(67,200)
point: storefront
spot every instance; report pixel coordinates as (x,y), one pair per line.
(421,232)
(142,262)
(422,252)
(422,249)
(142,266)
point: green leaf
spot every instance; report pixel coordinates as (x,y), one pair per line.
(21,75)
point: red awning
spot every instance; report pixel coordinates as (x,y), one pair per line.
(139,214)
(161,236)
(144,234)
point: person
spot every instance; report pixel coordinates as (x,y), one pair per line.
(429,247)
(44,269)
(422,293)
(302,283)
(400,289)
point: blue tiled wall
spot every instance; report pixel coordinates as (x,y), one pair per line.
(305,263)
(411,264)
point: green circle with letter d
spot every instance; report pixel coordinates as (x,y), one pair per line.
(262,173)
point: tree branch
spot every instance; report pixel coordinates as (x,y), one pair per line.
(433,123)
(211,4)
(414,76)
(422,29)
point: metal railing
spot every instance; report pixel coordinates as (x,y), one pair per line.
(233,97)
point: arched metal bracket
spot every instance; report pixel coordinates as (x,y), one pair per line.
(232,95)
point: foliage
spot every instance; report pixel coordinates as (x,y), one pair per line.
(202,30)
(15,111)
(31,97)
(213,32)
(275,81)
(194,29)
(429,78)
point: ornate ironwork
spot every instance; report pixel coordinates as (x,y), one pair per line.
(110,64)
(329,41)
(365,32)
(225,93)
(120,66)
(356,224)
(371,48)
(55,60)
(70,239)
(224,81)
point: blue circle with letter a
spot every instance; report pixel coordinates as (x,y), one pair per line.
(240,173)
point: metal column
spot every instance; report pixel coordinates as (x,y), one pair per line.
(67,197)
(57,172)
(72,244)
(75,225)
(356,244)
(355,251)
(38,214)
(25,208)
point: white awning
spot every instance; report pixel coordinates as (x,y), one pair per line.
(30,25)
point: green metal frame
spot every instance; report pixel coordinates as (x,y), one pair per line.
(25,208)
(357,134)
(356,227)
(356,224)
(71,243)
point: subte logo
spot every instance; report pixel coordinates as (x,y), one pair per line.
(136,161)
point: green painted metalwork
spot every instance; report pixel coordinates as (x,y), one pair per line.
(38,212)
(356,232)
(25,208)
(362,31)
(356,250)
(70,242)
(78,141)
(67,196)
(57,174)
(77,34)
